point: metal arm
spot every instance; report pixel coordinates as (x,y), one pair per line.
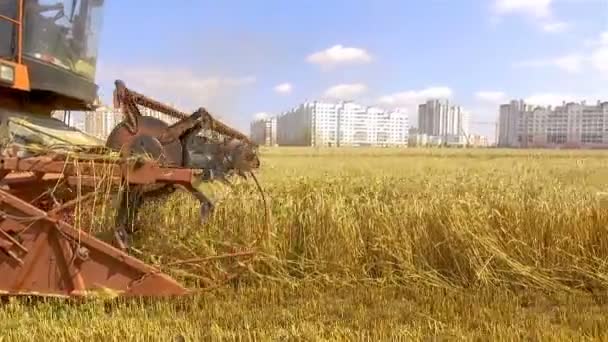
(127,100)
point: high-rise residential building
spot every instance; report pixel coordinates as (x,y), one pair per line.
(263,131)
(569,125)
(342,123)
(442,123)
(510,120)
(100,122)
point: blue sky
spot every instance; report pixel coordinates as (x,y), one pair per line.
(239,58)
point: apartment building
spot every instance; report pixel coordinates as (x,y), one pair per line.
(100,122)
(576,125)
(71,118)
(263,131)
(342,123)
(477,140)
(439,122)
(511,121)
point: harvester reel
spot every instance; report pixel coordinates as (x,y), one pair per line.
(176,145)
(145,141)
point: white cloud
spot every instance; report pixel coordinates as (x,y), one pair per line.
(491,96)
(599,41)
(549,99)
(260,116)
(595,56)
(415,97)
(540,12)
(555,99)
(536,8)
(346,91)
(409,100)
(603,40)
(555,27)
(172,82)
(484,111)
(283,88)
(599,60)
(570,63)
(339,54)
(599,54)
(181,87)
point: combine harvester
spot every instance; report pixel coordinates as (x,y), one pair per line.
(47,64)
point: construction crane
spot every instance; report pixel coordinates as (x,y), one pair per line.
(480,123)
(489,123)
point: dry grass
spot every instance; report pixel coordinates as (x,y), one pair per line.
(370,244)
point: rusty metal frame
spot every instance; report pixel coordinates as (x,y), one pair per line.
(55,259)
(145,173)
(40,254)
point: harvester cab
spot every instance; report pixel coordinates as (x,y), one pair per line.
(48,59)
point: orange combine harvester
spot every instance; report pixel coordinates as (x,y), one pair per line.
(47,64)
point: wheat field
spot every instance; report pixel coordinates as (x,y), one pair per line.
(371,244)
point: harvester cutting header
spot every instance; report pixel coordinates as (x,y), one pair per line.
(48,57)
